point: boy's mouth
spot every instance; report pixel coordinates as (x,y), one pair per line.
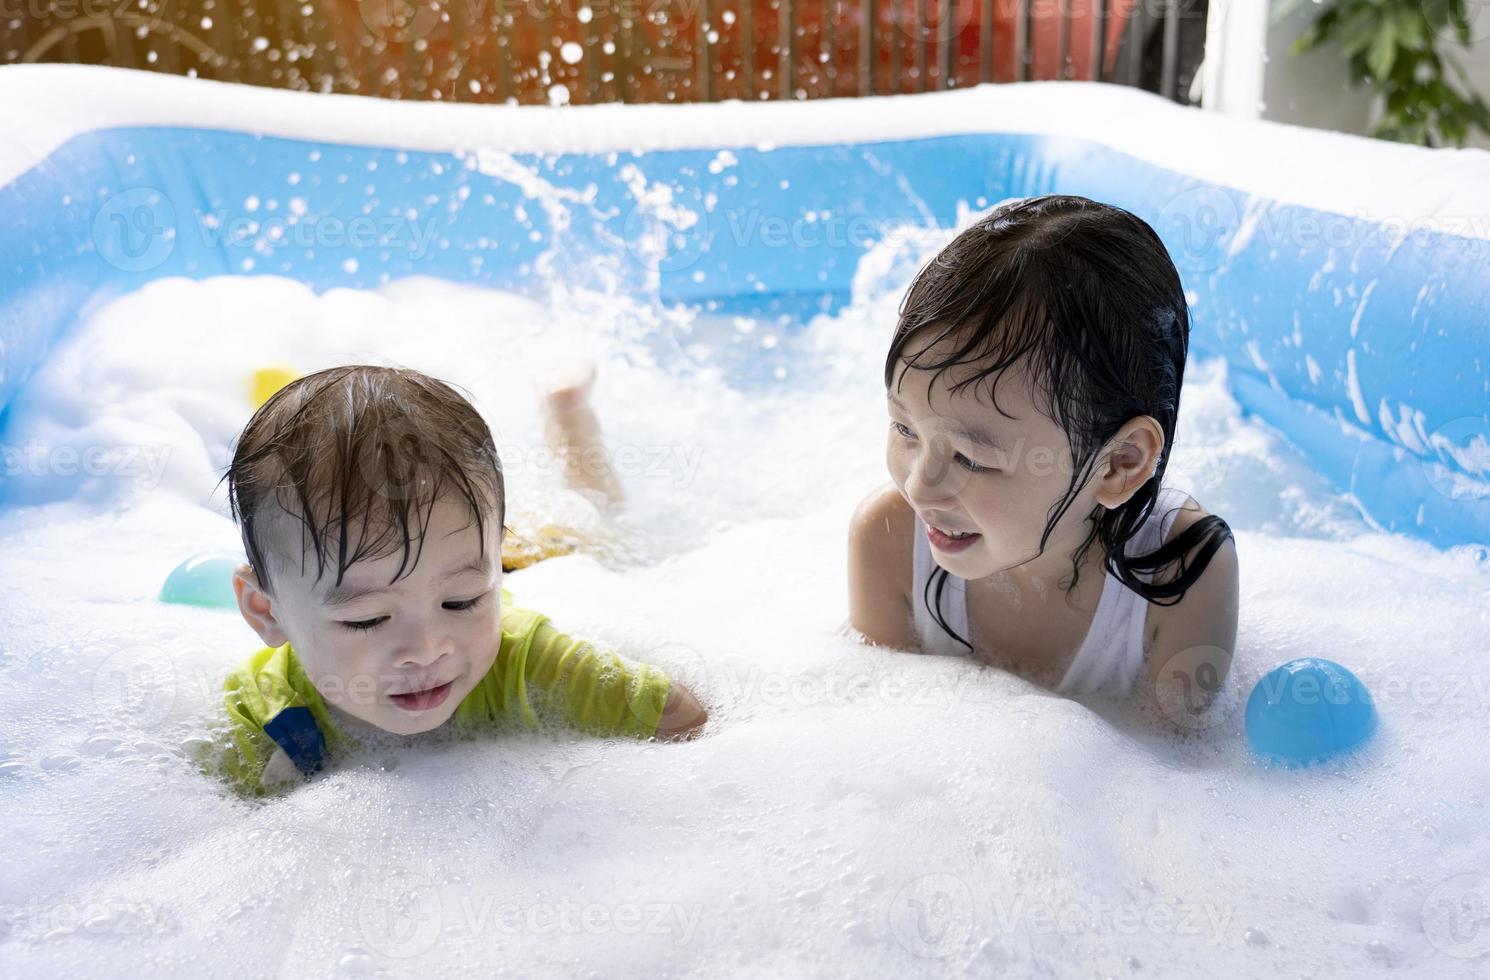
(423,700)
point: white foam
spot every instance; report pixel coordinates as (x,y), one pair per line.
(849,812)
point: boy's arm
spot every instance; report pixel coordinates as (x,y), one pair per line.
(269,706)
(242,756)
(599,691)
(683,716)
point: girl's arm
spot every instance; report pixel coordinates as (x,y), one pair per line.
(1196,637)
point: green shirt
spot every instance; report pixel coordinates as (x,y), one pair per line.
(540,675)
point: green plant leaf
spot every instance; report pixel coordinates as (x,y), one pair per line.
(1396,47)
(1383,53)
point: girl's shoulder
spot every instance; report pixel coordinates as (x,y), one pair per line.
(1187,511)
(881,553)
(884,527)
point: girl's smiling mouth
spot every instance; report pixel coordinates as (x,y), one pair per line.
(950,541)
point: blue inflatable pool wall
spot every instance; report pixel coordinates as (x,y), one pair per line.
(1367,349)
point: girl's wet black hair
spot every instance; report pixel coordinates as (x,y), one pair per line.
(1088,295)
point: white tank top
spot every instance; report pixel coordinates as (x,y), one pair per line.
(1110,659)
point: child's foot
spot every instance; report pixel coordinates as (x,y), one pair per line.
(572,432)
(567,387)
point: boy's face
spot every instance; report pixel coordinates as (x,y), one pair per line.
(399,657)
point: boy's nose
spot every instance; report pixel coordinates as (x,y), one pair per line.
(426,651)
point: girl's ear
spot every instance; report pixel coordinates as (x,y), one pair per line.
(1132,457)
(256,607)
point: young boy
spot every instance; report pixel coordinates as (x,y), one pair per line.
(371,504)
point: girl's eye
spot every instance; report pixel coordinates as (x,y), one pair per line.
(364,624)
(963,461)
(972,467)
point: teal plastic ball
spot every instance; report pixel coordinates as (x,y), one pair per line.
(202,580)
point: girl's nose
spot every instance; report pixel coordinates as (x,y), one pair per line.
(933,474)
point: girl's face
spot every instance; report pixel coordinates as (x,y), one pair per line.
(984,484)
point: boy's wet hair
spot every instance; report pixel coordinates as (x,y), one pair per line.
(1084,297)
(361,452)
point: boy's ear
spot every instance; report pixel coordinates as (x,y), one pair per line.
(256,606)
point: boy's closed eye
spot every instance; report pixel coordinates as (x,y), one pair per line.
(461,605)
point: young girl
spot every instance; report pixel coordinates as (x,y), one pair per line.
(1033,386)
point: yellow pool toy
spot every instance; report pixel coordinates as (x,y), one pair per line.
(268,380)
(523,548)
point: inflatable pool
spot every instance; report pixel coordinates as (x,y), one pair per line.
(1341,279)
(851,812)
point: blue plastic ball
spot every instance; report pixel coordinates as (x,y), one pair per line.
(1307,710)
(202,580)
